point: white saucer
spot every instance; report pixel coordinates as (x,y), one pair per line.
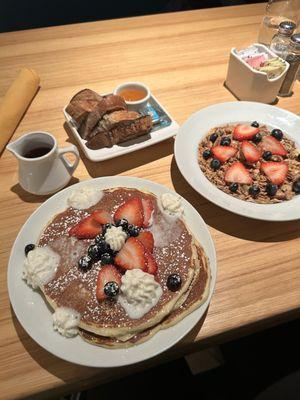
(198,125)
(35,316)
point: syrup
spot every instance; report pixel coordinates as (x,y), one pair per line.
(37,152)
(132,94)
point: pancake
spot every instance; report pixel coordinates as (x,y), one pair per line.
(195,296)
(175,251)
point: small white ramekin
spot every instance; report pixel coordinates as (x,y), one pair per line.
(138,104)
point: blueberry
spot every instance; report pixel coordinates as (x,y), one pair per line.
(85,263)
(267,155)
(254,190)
(123,223)
(106,258)
(257,138)
(111,289)
(271,189)
(94,251)
(277,134)
(296,187)
(255,124)
(225,141)
(28,248)
(213,137)
(206,154)
(215,164)
(133,230)
(105,227)
(233,187)
(174,282)
(103,246)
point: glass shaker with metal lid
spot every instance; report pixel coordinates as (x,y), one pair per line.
(293,58)
(281,40)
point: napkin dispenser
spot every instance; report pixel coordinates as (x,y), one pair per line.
(246,83)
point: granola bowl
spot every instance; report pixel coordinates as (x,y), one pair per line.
(244,157)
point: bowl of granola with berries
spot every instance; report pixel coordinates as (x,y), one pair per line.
(244,157)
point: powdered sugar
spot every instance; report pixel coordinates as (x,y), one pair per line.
(165,231)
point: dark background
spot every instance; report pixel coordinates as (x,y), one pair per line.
(26,14)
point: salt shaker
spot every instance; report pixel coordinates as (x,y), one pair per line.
(281,40)
(276,12)
(293,58)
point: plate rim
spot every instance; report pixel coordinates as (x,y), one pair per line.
(128,182)
(180,163)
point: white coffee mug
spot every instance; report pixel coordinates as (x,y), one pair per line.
(43,168)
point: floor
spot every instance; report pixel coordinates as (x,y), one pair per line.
(251,365)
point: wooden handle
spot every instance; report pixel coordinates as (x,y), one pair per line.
(15,103)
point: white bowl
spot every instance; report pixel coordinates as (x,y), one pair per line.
(138,104)
(197,127)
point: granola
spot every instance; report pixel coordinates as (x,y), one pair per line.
(281,192)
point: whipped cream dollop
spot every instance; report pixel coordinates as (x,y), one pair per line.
(139,293)
(171,204)
(84,197)
(40,266)
(66,321)
(115,237)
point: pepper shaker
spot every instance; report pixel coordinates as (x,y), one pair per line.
(281,40)
(293,58)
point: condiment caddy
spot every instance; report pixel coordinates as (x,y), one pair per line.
(248,81)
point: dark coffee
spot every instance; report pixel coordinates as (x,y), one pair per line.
(37,152)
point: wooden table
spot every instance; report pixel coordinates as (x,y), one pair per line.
(183,58)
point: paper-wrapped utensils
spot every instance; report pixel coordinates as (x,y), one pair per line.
(15,102)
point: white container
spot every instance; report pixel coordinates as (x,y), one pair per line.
(137,104)
(248,84)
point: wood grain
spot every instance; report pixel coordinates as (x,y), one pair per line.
(183,58)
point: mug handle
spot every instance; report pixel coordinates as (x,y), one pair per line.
(70,149)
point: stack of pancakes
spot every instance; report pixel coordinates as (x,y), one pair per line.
(106,323)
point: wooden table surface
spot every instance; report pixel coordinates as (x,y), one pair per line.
(183,58)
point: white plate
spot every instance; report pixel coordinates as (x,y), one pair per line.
(35,316)
(155,136)
(198,125)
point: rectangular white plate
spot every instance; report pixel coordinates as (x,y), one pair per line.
(158,134)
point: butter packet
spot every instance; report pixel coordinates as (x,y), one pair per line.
(272,67)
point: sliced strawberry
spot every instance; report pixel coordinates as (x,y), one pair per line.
(147,240)
(102,217)
(87,228)
(132,210)
(275,171)
(238,173)
(223,153)
(151,263)
(147,210)
(269,143)
(131,255)
(251,152)
(244,132)
(108,273)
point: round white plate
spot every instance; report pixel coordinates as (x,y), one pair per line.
(35,316)
(198,125)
